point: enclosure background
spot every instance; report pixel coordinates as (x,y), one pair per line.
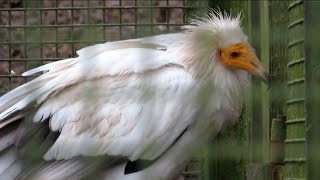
(284,34)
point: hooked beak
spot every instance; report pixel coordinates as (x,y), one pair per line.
(252,64)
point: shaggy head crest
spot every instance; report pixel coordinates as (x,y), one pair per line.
(216,28)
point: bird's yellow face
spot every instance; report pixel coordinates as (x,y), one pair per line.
(242,56)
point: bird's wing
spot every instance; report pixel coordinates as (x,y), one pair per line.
(136,116)
(126,100)
(109,59)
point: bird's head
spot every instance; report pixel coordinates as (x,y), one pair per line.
(242,56)
(219,38)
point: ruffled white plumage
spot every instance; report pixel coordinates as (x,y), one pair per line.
(121,115)
(134,98)
(135,59)
(121,92)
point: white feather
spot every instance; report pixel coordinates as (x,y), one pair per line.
(121,61)
(128,127)
(134,98)
(54,66)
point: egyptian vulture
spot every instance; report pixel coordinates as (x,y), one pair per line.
(129,110)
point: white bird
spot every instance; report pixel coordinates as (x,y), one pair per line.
(141,106)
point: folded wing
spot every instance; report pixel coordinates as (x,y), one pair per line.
(126,98)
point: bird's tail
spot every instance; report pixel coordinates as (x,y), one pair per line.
(10,165)
(21,151)
(11,115)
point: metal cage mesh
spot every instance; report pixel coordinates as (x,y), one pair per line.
(35,32)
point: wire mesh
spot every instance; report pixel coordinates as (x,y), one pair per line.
(35,32)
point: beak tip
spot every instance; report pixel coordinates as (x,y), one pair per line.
(266,78)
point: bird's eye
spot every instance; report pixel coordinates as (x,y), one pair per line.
(234,54)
